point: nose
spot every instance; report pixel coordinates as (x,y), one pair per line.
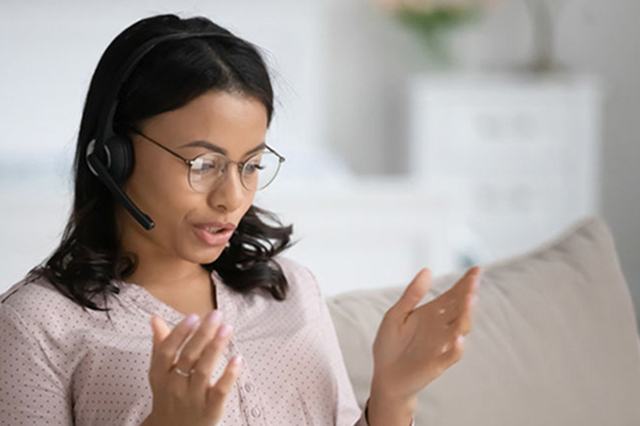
(230,192)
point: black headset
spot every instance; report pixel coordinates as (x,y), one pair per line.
(109,156)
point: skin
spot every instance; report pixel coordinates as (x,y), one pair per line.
(171,253)
(413,346)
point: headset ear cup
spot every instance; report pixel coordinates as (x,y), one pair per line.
(121,154)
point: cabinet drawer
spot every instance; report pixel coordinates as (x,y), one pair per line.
(505,139)
(521,197)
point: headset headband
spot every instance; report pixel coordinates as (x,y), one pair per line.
(105,124)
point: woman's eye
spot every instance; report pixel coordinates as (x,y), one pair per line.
(209,166)
(252,168)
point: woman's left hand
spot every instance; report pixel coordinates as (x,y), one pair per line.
(414,346)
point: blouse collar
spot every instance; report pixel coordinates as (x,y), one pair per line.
(149,303)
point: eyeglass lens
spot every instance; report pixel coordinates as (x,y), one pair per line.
(207,171)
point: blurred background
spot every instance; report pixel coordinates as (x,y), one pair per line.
(438,134)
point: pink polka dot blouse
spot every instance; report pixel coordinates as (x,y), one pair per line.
(61,365)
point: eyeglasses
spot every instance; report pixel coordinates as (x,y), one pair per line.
(206,170)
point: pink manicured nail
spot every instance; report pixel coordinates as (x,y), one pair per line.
(214,316)
(460,339)
(224,330)
(237,360)
(192,319)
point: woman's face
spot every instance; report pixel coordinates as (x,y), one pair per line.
(159,183)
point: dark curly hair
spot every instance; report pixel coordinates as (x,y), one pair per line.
(88,258)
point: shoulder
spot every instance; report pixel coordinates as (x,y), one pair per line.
(299,277)
(39,305)
(303,291)
(42,326)
(292,267)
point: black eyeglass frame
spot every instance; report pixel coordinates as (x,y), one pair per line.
(241,164)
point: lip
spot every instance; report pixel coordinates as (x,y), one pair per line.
(213,239)
(217,225)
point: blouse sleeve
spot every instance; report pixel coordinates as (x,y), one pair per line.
(31,393)
(347,407)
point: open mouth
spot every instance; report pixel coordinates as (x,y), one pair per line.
(213,231)
(213,235)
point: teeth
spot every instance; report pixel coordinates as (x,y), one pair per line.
(214,230)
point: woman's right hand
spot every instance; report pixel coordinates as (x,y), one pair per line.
(189,400)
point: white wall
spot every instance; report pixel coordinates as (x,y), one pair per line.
(50,49)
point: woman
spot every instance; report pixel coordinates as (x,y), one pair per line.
(174,125)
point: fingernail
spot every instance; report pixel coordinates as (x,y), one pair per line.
(214,316)
(474,300)
(460,339)
(191,319)
(224,330)
(237,360)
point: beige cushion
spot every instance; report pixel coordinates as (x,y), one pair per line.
(554,340)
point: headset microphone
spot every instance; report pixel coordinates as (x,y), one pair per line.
(109,156)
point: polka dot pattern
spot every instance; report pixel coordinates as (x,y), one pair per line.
(62,365)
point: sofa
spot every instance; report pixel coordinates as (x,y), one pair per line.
(554,339)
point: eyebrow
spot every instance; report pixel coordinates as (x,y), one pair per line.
(216,148)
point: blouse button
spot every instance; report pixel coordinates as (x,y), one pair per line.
(248,387)
(255,412)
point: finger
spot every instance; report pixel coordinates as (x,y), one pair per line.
(159,328)
(450,300)
(203,335)
(448,315)
(467,283)
(453,352)
(160,332)
(458,309)
(466,305)
(166,350)
(477,277)
(217,393)
(464,284)
(413,294)
(462,324)
(203,368)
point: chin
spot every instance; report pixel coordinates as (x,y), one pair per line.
(207,256)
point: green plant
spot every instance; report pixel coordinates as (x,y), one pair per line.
(434,25)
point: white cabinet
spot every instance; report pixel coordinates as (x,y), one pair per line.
(521,153)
